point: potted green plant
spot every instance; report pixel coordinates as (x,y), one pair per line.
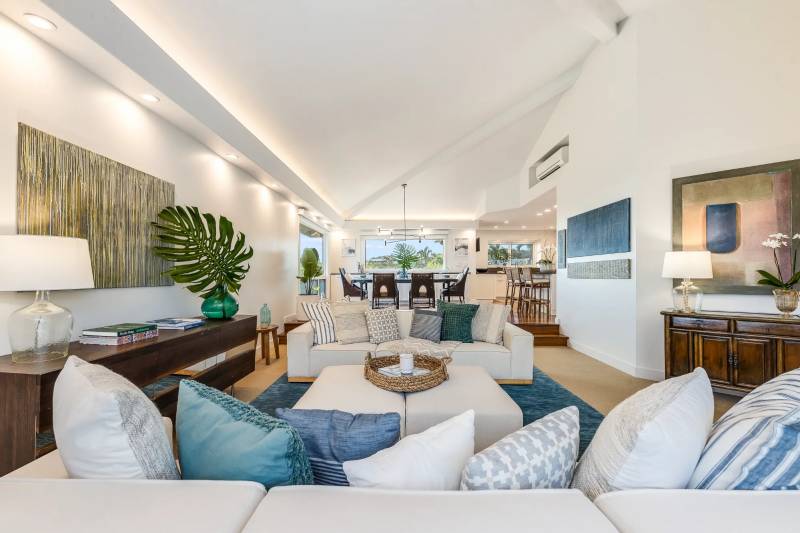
(209,256)
(547,257)
(786,296)
(310,269)
(405,256)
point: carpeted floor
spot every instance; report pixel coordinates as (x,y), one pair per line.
(540,398)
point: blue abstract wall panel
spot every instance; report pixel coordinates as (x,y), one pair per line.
(605,230)
(722,228)
(562,248)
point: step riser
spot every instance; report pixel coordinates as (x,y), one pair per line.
(550,340)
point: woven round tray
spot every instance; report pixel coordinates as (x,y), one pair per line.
(436,376)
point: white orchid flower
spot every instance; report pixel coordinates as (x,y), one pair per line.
(796,236)
(772,243)
(779,236)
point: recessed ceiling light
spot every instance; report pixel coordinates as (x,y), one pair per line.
(147,97)
(555,207)
(524,227)
(539,214)
(232,157)
(39,22)
(547,210)
(505,222)
(552,227)
(495,227)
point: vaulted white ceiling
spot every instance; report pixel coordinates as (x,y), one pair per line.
(357,96)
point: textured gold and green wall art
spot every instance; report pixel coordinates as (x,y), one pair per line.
(66,190)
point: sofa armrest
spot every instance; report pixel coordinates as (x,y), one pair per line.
(520,343)
(299,342)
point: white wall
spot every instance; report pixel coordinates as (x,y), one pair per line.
(45,89)
(689,86)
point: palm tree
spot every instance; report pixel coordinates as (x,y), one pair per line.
(425,257)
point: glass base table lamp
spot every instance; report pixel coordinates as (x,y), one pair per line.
(687,296)
(42,330)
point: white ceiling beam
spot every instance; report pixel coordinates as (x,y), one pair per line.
(539,97)
(202,116)
(597,17)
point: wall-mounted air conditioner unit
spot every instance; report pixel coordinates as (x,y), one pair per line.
(559,158)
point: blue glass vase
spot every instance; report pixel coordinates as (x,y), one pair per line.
(220,304)
(265,315)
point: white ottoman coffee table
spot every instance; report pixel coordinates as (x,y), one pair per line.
(469,387)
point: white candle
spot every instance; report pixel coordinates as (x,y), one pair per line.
(406,363)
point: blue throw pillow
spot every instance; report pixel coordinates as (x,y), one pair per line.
(333,437)
(220,437)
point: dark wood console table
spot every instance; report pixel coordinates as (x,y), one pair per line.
(739,351)
(26,390)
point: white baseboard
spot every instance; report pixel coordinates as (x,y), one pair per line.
(623,366)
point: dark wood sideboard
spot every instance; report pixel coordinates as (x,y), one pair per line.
(739,351)
(26,390)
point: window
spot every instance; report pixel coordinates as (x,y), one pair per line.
(510,253)
(313,239)
(430,253)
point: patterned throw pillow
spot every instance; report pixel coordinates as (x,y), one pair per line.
(755,445)
(651,440)
(382,325)
(106,428)
(489,322)
(457,321)
(350,320)
(541,455)
(321,321)
(427,325)
(332,437)
(220,437)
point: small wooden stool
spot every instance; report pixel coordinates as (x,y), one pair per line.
(263,333)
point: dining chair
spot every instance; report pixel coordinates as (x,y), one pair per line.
(423,291)
(526,295)
(384,287)
(541,288)
(458,288)
(349,288)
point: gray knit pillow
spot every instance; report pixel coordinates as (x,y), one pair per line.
(382,325)
(427,324)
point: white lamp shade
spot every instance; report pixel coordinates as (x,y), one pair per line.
(695,265)
(41,263)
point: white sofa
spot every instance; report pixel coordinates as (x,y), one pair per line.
(31,501)
(510,362)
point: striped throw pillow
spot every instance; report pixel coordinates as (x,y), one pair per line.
(756,444)
(321,321)
(427,325)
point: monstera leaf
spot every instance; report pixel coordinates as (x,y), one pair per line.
(204,251)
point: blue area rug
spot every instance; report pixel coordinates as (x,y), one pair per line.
(536,400)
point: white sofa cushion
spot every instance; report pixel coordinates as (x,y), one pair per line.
(651,440)
(106,427)
(754,446)
(431,460)
(541,455)
(127,506)
(352,510)
(706,511)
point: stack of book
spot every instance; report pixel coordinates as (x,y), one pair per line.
(119,334)
(180,324)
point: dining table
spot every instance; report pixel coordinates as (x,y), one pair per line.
(364,279)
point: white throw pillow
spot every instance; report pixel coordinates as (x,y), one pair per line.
(106,428)
(489,322)
(431,460)
(652,440)
(350,322)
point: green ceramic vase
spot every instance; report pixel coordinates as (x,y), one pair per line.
(220,304)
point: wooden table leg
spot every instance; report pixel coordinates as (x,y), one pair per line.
(263,337)
(275,343)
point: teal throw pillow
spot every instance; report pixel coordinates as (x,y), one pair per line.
(457,321)
(221,438)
